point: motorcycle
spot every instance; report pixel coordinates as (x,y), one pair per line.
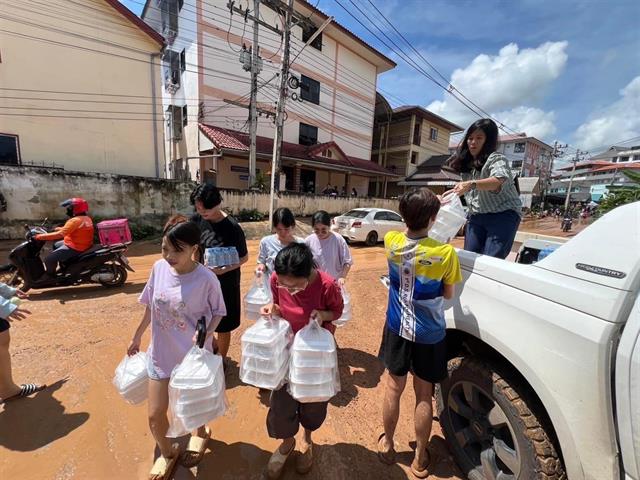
(567,222)
(104,265)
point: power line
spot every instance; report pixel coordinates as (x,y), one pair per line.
(398,51)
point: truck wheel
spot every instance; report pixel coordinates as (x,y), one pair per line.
(490,422)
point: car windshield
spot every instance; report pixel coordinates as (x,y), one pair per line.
(357,213)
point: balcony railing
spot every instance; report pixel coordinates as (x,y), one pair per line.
(394,141)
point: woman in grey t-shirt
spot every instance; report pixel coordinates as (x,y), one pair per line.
(488,186)
(283,224)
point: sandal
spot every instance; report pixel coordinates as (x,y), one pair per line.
(304,461)
(386,456)
(421,472)
(26,390)
(195,450)
(277,462)
(163,467)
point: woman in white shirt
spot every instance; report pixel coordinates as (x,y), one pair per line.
(330,251)
(283,224)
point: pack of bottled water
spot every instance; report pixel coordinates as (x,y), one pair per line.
(221,256)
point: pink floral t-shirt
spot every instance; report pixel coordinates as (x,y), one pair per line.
(177,302)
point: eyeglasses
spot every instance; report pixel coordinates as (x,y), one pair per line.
(293,290)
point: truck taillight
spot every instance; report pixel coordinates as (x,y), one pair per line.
(356,224)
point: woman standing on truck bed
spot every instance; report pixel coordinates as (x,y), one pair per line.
(489,187)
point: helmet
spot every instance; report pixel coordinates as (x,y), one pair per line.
(75,206)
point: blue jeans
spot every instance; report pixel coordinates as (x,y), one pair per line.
(491,233)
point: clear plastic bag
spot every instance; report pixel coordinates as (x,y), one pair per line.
(265,353)
(131,378)
(196,392)
(346,310)
(258,296)
(451,217)
(314,375)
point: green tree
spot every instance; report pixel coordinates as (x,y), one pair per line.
(621,195)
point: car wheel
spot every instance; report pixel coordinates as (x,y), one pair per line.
(489,419)
(372,238)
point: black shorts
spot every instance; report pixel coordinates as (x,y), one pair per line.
(232,301)
(401,356)
(4,325)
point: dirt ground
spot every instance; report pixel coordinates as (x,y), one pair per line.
(79,427)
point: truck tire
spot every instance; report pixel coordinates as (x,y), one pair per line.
(489,419)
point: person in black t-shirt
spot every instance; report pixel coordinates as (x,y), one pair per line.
(221,230)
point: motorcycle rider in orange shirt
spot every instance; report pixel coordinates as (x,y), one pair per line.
(74,238)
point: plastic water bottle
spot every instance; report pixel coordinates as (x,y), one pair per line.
(236,256)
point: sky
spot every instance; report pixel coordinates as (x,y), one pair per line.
(565,70)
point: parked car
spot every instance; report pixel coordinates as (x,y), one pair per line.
(544,369)
(367,225)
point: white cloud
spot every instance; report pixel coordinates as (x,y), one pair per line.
(506,83)
(619,121)
(533,121)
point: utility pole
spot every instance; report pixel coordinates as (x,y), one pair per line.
(558,150)
(573,171)
(253,114)
(284,77)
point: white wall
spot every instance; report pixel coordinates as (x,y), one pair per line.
(84,132)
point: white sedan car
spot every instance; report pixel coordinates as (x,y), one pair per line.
(367,225)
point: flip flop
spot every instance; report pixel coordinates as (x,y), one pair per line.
(386,456)
(421,472)
(163,467)
(277,462)
(26,390)
(195,450)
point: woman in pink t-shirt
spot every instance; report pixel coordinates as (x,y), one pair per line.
(300,292)
(179,292)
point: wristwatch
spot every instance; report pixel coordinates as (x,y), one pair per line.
(473,186)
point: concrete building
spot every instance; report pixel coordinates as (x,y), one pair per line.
(80,88)
(207,89)
(406,137)
(590,179)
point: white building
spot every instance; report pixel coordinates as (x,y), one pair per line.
(207,91)
(78,88)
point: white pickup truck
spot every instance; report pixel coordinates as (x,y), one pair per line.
(544,371)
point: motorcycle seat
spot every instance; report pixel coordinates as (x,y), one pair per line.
(96,249)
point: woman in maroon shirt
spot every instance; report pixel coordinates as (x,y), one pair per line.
(300,292)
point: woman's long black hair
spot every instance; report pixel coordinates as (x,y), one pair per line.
(462,160)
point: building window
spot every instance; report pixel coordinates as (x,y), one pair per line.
(516,164)
(175,122)
(414,158)
(310,89)
(171,70)
(183,60)
(417,129)
(624,159)
(433,134)
(308,134)
(518,148)
(9,149)
(306,35)
(184,116)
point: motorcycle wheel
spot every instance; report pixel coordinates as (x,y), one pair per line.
(10,276)
(120,276)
